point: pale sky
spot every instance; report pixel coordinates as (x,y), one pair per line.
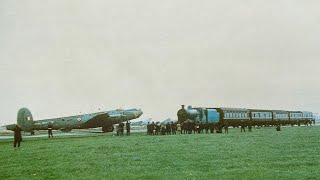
(60,58)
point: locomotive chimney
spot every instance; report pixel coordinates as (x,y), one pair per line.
(182,106)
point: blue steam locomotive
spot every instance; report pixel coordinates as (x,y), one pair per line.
(236,116)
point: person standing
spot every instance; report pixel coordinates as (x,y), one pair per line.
(158,128)
(211,126)
(179,128)
(121,128)
(249,126)
(206,127)
(128,128)
(50,130)
(153,128)
(243,126)
(173,127)
(226,126)
(168,128)
(17,136)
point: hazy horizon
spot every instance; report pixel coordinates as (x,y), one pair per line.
(60,58)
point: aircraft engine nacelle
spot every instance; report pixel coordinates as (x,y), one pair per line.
(25,119)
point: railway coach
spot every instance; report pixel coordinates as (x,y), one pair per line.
(237,116)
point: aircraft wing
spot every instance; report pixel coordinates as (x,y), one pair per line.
(10,126)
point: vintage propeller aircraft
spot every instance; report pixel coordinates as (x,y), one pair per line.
(104,119)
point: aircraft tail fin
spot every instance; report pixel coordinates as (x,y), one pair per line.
(25,119)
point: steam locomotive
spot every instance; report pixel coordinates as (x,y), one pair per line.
(236,116)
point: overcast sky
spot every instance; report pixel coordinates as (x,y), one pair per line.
(60,58)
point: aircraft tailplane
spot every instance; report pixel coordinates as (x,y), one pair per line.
(25,119)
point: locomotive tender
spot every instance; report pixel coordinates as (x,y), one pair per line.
(236,116)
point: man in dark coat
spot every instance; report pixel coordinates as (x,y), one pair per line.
(206,127)
(158,128)
(17,136)
(243,127)
(211,126)
(226,126)
(249,126)
(153,128)
(121,128)
(168,128)
(173,127)
(128,128)
(50,130)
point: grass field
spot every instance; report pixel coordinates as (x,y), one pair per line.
(293,153)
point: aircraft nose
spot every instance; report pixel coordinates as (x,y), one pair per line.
(139,113)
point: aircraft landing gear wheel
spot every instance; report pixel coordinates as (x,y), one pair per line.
(107,128)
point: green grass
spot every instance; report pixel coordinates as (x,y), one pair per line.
(293,153)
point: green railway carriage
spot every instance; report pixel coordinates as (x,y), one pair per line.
(234,116)
(260,117)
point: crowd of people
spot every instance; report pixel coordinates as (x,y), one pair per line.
(189,127)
